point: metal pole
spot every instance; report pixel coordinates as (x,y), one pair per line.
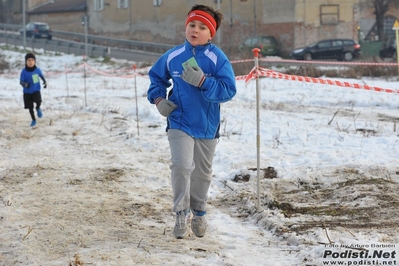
(397,42)
(304,24)
(66,79)
(231,13)
(84,69)
(137,105)
(219,32)
(396,29)
(256,55)
(85,57)
(86,38)
(24,23)
(254,17)
(130,19)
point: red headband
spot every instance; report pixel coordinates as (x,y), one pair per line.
(205,18)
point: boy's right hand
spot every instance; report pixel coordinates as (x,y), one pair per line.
(25,84)
(165,107)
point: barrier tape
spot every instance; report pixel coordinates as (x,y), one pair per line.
(254,73)
(268,59)
(268,73)
(313,62)
(109,75)
(90,69)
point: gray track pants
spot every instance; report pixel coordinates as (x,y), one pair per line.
(191,170)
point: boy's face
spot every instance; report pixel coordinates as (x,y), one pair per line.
(30,62)
(197,33)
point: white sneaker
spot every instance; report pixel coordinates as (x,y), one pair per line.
(182,224)
(198,224)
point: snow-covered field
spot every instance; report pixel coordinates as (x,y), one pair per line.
(90,185)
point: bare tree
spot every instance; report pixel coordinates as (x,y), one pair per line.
(380,9)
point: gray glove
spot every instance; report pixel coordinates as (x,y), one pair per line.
(193,75)
(44,82)
(165,107)
(24,84)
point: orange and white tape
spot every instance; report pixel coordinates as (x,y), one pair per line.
(263,72)
(314,62)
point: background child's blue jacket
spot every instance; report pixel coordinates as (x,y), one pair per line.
(33,78)
(198,109)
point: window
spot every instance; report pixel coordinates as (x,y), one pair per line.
(329,14)
(337,43)
(251,41)
(17,7)
(324,44)
(388,25)
(268,41)
(43,27)
(348,43)
(98,5)
(157,2)
(122,4)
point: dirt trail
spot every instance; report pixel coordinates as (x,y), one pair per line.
(83,189)
(80,195)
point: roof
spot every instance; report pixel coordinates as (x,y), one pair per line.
(60,6)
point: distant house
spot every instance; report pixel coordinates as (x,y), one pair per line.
(294,23)
(63,15)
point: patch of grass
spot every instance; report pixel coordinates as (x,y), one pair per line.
(3,63)
(356,200)
(363,181)
(107,60)
(111,174)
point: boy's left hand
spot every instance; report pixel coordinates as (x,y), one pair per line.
(45,85)
(193,75)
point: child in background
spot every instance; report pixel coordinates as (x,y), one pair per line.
(203,78)
(30,82)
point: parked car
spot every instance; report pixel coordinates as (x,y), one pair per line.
(340,49)
(389,50)
(37,30)
(267,44)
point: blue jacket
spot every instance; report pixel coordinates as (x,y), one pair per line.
(31,78)
(198,109)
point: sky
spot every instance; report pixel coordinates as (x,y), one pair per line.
(90,184)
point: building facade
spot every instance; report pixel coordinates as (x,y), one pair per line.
(294,23)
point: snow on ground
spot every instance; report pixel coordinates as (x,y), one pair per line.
(90,185)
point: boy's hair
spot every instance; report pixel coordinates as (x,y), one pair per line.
(216,14)
(30,55)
